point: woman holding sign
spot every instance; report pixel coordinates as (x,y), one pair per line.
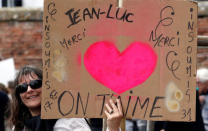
(27,107)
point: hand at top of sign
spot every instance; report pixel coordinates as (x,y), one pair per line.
(114,115)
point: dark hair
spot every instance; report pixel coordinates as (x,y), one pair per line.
(3,88)
(19,110)
(7,112)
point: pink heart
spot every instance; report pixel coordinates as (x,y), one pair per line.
(120,71)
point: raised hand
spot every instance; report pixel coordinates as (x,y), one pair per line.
(114,115)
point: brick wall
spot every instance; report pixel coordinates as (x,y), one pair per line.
(202,55)
(22,41)
(203,26)
(21,38)
(21,30)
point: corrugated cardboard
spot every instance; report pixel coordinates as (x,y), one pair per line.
(143,53)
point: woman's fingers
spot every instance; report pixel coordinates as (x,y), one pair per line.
(107,114)
(114,115)
(108,108)
(119,106)
(115,108)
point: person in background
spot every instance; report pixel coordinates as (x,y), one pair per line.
(27,107)
(4,89)
(4,105)
(136,125)
(7,113)
(202,82)
(199,124)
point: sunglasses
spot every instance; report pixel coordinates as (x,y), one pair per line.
(34,84)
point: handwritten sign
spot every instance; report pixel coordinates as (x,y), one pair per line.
(142,53)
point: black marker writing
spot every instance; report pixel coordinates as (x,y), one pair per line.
(127,106)
(73,17)
(160,40)
(186,113)
(75,39)
(76,16)
(53,94)
(155,107)
(103,103)
(47,105)
(84,109)
(59,102)
(146,102)
(52,10)
(47,83)
(175,64)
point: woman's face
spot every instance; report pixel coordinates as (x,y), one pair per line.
(32,97)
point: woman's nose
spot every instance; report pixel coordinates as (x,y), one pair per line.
(29,88)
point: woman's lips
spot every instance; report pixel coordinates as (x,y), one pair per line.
(33,96)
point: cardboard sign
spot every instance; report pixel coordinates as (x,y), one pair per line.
(143,53)
(7,70)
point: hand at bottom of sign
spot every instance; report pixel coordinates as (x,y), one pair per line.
(114,115)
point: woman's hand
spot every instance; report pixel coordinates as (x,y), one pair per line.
(114,115)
